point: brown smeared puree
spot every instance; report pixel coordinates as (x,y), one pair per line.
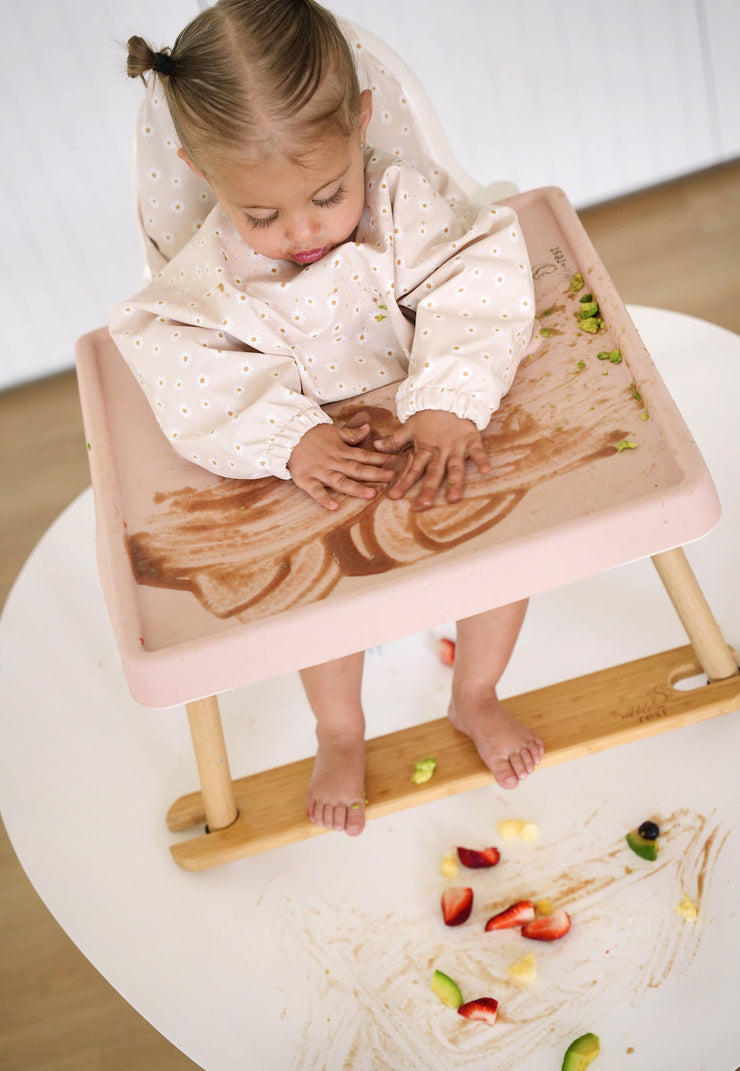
(262,546)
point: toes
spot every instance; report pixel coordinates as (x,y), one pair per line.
(519,765)
(504,774)
(339,817)
(536,750)
(528,760)
(355,819)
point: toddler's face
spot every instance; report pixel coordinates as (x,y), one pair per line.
(296,212)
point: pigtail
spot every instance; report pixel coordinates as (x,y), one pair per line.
(142,58)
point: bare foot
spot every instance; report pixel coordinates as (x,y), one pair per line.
(508,748)
(336,797)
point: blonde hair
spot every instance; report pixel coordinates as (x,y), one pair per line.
(252,77)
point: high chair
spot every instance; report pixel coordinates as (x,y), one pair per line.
(212,584)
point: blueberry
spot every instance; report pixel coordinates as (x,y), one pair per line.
(649,830)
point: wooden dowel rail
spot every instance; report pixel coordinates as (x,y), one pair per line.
(715,657)
(212,762)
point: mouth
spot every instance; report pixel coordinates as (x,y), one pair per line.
(309,257)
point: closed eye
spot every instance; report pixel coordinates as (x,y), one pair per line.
(335,199)
(257,223)
(329,202)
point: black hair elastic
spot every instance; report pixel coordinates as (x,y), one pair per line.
(163,64)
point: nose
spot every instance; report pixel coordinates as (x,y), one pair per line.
(302,226)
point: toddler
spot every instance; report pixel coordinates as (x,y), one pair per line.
(325,270)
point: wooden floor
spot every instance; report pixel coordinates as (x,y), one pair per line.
(676,246)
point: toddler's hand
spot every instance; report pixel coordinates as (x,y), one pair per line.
(327,459)
(441,442)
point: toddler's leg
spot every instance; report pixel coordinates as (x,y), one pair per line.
(336,797)
(484,645)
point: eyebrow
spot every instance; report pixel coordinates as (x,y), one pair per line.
(266,208)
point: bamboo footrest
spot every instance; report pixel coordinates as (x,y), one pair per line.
(574,718)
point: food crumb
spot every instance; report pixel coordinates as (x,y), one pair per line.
(625,445)
(687,909)
(517,829)
(450,867)
(523,971)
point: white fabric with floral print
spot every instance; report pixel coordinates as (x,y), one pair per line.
(236,353)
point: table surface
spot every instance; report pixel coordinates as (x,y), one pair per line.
(229,572)
(319,955)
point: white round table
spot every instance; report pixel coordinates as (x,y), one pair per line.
(319,956)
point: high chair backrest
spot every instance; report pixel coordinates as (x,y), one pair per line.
(172,201)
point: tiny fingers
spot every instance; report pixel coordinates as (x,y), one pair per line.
(391,445)
(414,470)
(477,454)
(455,478)
(354,434)
(345,485)
(319,493)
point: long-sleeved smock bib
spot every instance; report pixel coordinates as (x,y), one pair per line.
(237,353)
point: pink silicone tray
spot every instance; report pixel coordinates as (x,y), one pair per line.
(214,583)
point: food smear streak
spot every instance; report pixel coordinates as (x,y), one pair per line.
(372,968)
(252,548)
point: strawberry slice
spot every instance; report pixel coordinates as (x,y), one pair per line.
(484,1009)
(548,927)
(517,914)
(446,652)
(457,903)
(476,860)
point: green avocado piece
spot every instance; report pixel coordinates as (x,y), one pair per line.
(581,1052)
(576,283)
(447,990)
(423,771)
(646,849)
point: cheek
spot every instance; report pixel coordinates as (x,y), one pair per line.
(353,210)
(261,241)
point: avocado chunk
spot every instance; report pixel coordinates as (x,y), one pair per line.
(581,1052)
(447,990)
(646,849)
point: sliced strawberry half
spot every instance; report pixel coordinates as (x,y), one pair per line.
(446,651)
(517,914)
(457,903)
(548,927)
(476,859)
(484,1009)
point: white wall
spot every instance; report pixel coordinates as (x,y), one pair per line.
(599,97)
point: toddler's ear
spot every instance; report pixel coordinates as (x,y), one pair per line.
(184,156)
(366,111)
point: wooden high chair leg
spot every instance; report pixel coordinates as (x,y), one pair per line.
(213,764)
(716,658)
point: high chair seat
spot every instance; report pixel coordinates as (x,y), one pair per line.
(213,583)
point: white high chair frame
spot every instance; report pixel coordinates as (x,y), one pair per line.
(574,717)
